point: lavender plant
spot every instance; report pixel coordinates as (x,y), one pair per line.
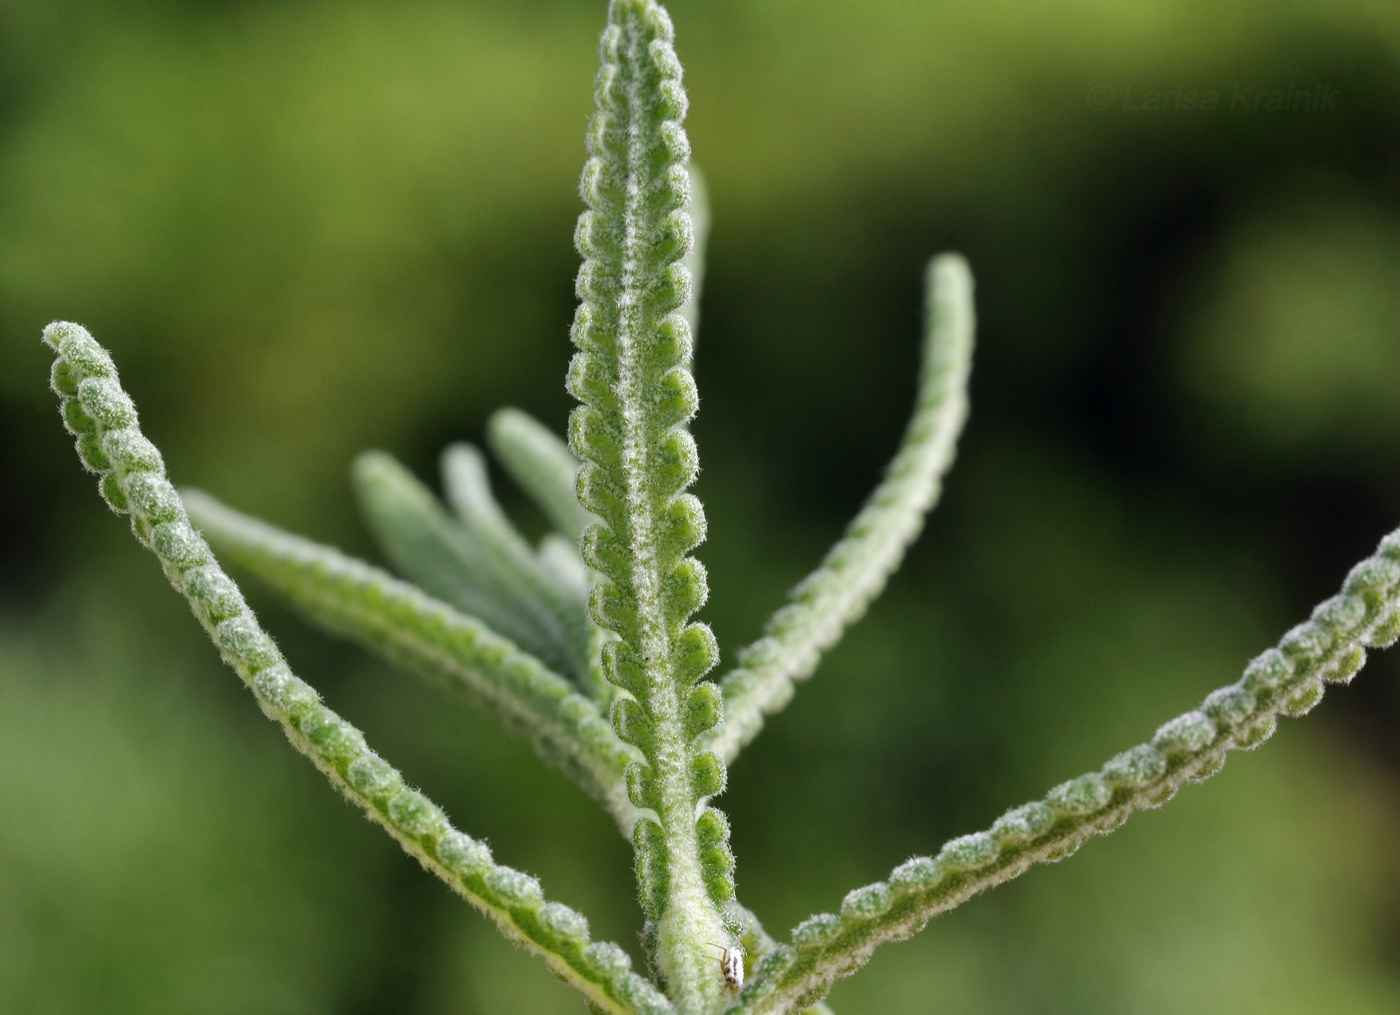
(585,643)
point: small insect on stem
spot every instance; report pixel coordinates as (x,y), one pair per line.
(731,965)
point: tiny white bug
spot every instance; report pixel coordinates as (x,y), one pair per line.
(731,965)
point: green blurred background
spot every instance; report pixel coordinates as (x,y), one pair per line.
(306,228)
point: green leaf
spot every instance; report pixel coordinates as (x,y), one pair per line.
(556,606)
(855,570)
(132,481)
(636,396)
(560,559)
(470,564)
(1287,680)
(543,465)
(430,638)
(699,209)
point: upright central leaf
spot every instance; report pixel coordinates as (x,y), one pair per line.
(637,395)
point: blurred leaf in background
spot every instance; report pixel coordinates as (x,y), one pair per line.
(307,228)
(1298,331)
